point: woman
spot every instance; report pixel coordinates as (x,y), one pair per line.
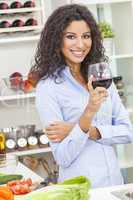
(82,144)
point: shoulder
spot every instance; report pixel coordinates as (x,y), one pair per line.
(45,85)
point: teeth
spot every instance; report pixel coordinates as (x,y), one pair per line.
(77,53)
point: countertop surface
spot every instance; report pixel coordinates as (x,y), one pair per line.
(106,193)
(95,194)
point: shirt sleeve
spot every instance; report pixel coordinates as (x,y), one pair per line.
(121,130)
(48,107)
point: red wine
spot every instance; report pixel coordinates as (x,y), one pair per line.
(5,24)
(102,83)
(3,6)
(29,4)
(16,4)
(18,23)
(31,22)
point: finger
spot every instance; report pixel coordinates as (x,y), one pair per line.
(101,89)
(90,87)
(54,139)
(56,123)
(51,132)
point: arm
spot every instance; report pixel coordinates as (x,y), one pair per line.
(58,131)
(49,111)
(121,130)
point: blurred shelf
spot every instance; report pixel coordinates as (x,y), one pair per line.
(17,96)
(20,10)
(31,151)
(19,39)
(20,29)
(87,2)
(121,56)
(130,110)
(126,162)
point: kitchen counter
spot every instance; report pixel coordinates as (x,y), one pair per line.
(106,193)
(95,194)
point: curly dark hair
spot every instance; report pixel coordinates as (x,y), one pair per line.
(48,58)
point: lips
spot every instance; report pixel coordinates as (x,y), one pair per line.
(78,54)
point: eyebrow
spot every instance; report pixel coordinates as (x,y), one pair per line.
(75,33)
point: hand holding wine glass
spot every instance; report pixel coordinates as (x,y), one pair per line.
(101,78)
(97,96)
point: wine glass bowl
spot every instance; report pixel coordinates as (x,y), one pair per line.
(100,74)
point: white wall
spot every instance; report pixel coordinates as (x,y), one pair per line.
(16,57)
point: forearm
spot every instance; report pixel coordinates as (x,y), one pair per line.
(74,143)
(118,134)
(86,120)
(85,125)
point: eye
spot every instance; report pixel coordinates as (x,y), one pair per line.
(70,37)
(87,36)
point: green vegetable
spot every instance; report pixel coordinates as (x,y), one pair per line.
(71,189)
(4,178)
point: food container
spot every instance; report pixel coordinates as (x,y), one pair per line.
(19,84)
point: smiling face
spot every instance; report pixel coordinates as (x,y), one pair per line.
(77,42)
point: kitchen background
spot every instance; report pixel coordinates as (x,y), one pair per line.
(18,43)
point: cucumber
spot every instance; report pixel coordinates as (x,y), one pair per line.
(4,178)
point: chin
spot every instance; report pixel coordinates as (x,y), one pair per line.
(77,61)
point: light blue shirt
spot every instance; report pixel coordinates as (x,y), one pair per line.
(77,154)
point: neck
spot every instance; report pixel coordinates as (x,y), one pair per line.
(75,70)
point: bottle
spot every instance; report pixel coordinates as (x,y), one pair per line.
(43,139)
(119,82)
(11,139)
(5,24)
(2,146)
(32,141)
(3,6)
(22,143)
(16,4)
(21,138)
(18,23)
(31,22)
(29,4)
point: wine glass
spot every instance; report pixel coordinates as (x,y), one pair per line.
(101,75)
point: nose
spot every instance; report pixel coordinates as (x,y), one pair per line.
(80,42)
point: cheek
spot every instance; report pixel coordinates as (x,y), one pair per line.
(89,45)
(66,47)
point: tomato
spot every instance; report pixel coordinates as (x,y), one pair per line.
(24,189)
(20,186)
(29,181)
(15,189)
(11,183)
